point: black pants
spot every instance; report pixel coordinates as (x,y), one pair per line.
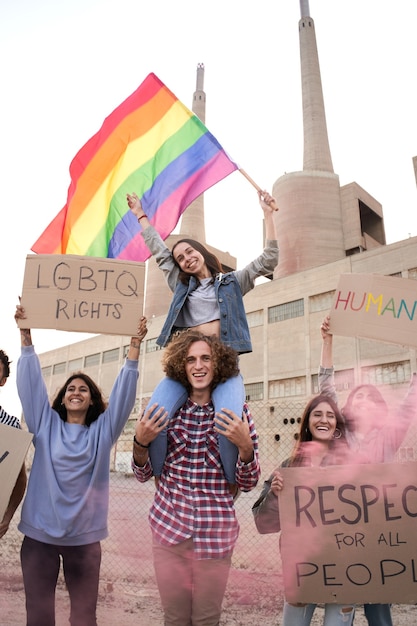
(40,566)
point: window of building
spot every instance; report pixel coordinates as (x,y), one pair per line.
(387,374)
(255,318)
(47,371)
(152,346)
(372,224)
(286,311)
(355,250)
(406,454)
(59,368)
(126,349)
(412,273)
(111,355)
(321,301)
(254,391)
(287,387)
(343,380)
(75,365)
(92,359)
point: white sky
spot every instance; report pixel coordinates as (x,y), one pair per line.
(66,64)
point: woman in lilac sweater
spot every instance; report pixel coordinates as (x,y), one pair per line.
(64,514)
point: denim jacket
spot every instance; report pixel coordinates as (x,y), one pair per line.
(230,288)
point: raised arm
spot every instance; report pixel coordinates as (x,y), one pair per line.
(265,200)
(326,371)
(135,205)
(136,340)
(326,359)
(266,262)
(155,243)
(25,334)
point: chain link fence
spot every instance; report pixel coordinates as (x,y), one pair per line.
(127,552)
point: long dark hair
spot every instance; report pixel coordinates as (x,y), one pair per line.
(213,264)
(97,407)
(297,457)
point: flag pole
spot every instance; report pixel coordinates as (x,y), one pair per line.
(272,204)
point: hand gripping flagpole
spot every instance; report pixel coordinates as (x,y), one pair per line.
(272,204)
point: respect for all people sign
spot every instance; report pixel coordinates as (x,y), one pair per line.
(377,307)
(14,444)
(348,533)
(82,294)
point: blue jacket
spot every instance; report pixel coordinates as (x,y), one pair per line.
(230,289)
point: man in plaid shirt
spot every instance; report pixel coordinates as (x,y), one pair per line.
(192,518)
(10,420)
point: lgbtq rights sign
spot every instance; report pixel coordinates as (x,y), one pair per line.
(376,307)
(348,533)
(82,294)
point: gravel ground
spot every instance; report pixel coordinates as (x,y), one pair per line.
(253,597)
(251,600)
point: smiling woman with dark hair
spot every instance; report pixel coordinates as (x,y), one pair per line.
(321,442)
(64,514)
(95,408)
(206,300)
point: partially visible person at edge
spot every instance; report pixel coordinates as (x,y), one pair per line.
(9,420)
(207,300)
(321,442)
(369,430)
(65,511)
(192,518)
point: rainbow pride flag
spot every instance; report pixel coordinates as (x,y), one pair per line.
(152,145)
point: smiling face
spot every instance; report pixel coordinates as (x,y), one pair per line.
(322,422)
(77,400)
(364,403)
(199,369)
(190,260)
(366,408)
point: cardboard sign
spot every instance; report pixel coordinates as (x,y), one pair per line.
(14,444)
(82,294)
(376,307)
(348,533)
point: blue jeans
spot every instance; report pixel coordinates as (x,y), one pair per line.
(172,395)
(334,614)
(378,614)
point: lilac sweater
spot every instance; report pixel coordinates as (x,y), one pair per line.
(67,497)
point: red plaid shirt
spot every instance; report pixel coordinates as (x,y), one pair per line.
(193,498)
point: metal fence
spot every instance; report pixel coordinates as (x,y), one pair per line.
(127,556)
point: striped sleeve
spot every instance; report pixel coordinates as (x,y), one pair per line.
(8,420)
